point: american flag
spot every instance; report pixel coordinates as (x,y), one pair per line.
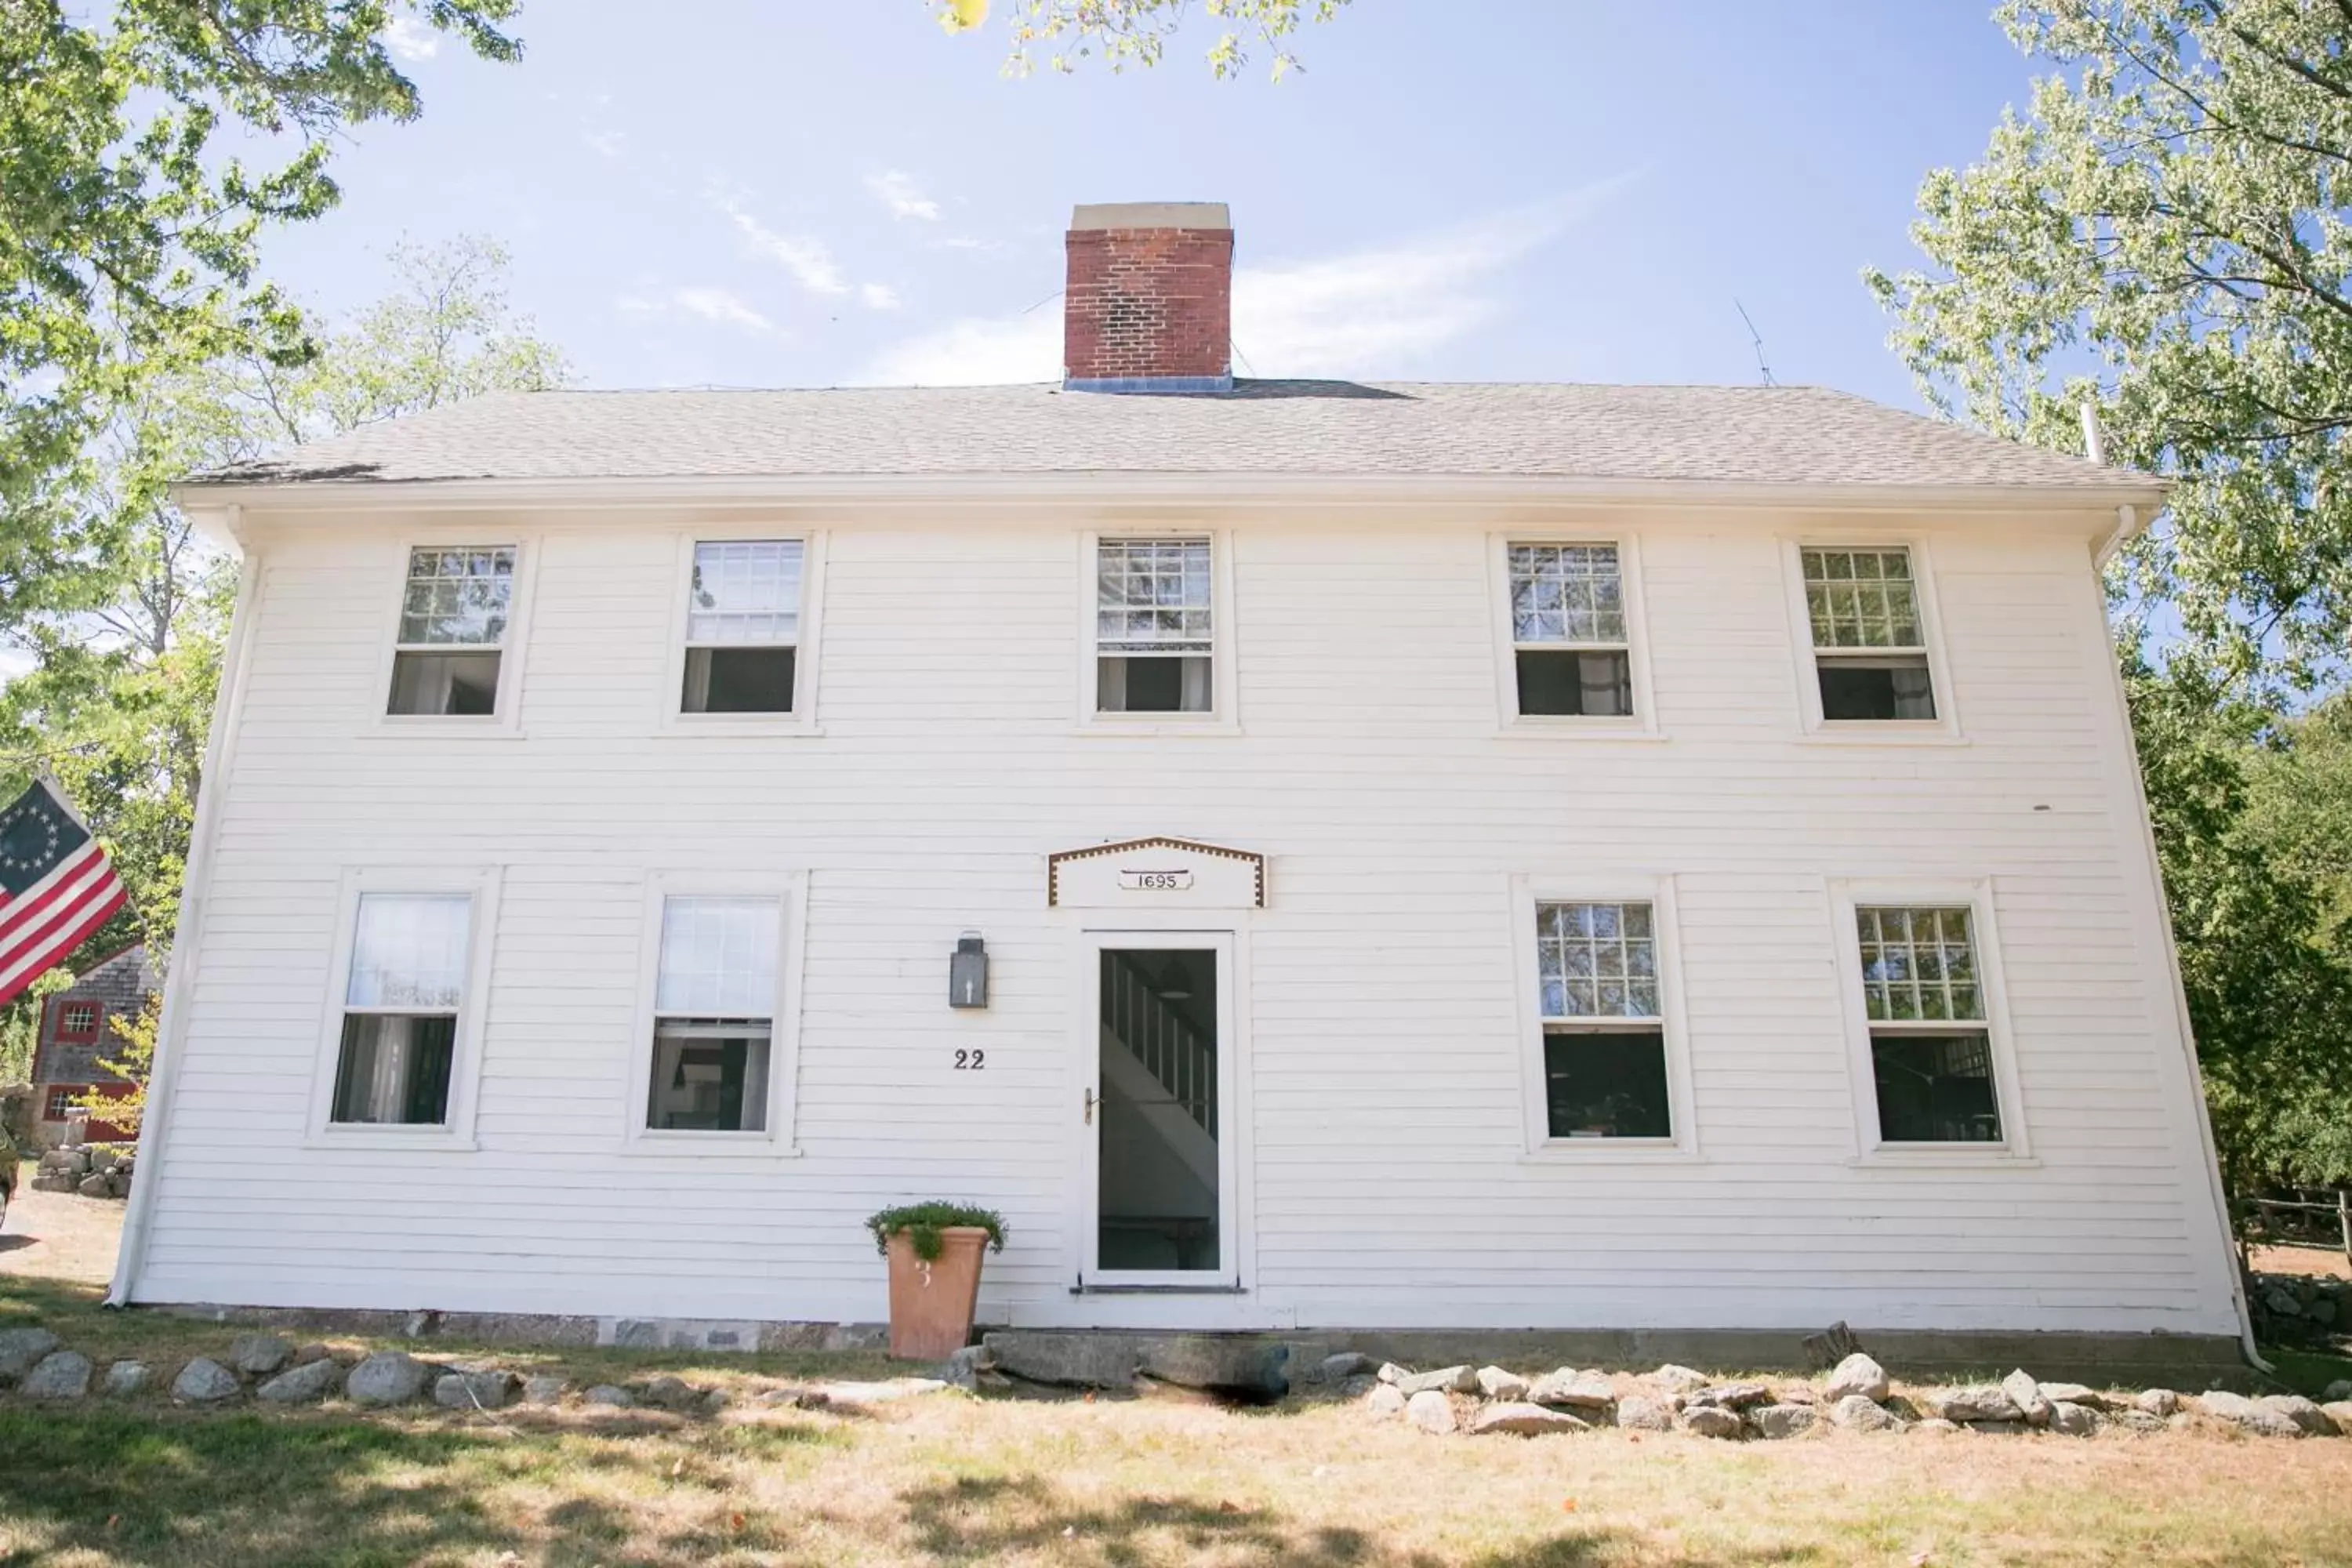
(57,886)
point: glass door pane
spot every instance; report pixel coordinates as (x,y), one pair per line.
(1158,1202)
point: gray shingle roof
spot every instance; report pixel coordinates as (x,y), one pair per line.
(1733,435)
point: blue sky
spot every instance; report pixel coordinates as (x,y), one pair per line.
(802,193)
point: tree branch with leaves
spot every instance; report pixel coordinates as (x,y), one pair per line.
(1131,33)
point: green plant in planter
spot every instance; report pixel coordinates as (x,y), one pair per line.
(923,1222)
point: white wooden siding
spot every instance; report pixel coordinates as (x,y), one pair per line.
(1388,1181)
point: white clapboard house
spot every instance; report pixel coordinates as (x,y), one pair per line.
(1310,854)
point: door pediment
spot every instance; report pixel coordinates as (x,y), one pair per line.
(1155,873)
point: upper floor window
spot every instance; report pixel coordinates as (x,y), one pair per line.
(1154,635)
(400,1008)
(1569,638)
(77,1022)
(1930,1045)
(1604,1044)
(714,1014)
(1870,642)
(742,626)
(453,623)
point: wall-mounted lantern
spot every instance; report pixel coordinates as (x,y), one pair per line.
(968,973)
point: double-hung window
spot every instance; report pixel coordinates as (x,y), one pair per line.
(1604,1046)
(1154,640)
(714,1014)
(77,1022)
(742,626)
(1569,638)
(401,1005)
(452,625)
(1931,1048)
(1870,640)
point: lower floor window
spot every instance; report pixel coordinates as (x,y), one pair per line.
(1935,1088)
(394,1068)
(61,1103)
(1606,1084)
(710,1075)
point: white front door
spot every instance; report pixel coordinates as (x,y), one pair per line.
(1157,1108)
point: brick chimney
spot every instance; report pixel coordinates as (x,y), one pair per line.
(1150,302)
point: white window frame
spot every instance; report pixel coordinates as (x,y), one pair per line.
(1945,727)
(1223,714)
(671,718)
(1642,725)
(1976,898)
(479,883)
(504,722)
(779,1138)
(1527,895)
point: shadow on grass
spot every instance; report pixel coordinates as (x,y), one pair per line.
(974,1518)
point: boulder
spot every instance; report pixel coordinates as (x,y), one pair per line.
(1858,1414)
(124,1378)
(544,1389)
(472,1390)
(1974,1405)
(1713,1421)
(60,1375)
(2300,1411)
(1936,1426)
(1640,1413)
(1574,1389)
(204,1382)
(963,1368)
(1781,1420)
(2026,1395)
(2074,1420)
(2132,1418)
(258,1354)
(668,1393)
(387,1377)
(1521,1419)
(1999,1428)
(314,1351)
(1496,1383)
(1732,1395)
(2250,1415)
(1857,1375)
(21,1349)
(1445,1380)
(2073,1393)
(1358,1386)
(1392,1373)
(1677,1379)
(1342,1366)
(2338,1391)
(2159,1402)
(2340,1411)
(302,1382)
(1431,1411)
(610,1396)
(1384,1400)
(94,1186)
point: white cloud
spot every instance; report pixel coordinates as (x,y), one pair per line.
(878,296)
(897,191)
(607,143)
(411,39)
(1381,310)
(810,263)
(715,305)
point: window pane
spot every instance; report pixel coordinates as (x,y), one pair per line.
(1597,960)
(710,1075)
(1589,685)
(1862,598)
(1606,1085)
(745,591)
(457,595)
(408,950)
(1877,689)
(739,681)
(1935,1089)
(1152,595)
(1565,593)
(1152,684)
(1918,963)
(718,956)
(451,683)
(394,1068)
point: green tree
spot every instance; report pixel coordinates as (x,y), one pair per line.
(2162,232)
(130,225)
(1123,33)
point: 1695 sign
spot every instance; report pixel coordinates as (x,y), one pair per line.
(1155,881)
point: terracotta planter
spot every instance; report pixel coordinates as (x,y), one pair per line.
(932,1303)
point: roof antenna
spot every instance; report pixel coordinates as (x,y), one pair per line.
(1763,369)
